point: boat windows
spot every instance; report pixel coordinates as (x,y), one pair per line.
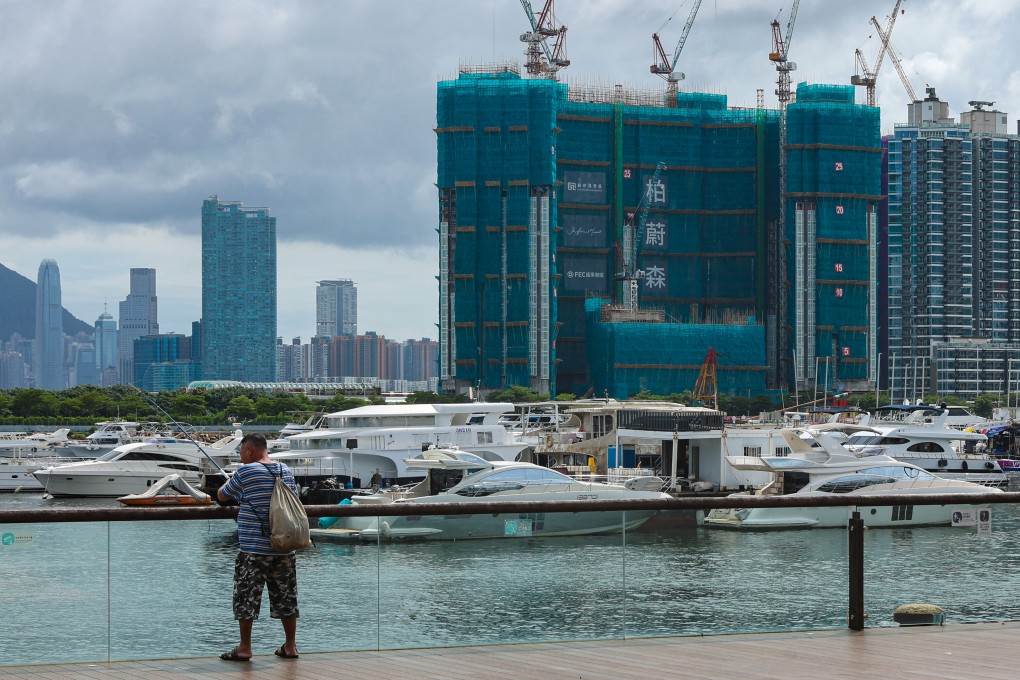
(854,482)
(899,472)
(150,456)
(926,447)
(484,438)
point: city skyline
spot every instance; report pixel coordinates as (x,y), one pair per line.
(353,177)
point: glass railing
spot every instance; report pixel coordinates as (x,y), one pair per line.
(98,591)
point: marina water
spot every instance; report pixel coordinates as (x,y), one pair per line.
(134,590)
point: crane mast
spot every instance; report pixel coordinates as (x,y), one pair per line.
(632,234)
(666,67)
(779,56)
(542,60)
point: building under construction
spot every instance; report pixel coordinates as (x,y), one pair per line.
(596,237)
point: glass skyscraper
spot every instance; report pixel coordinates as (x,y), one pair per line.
(336,308)
(106,344)
(49,329)
(137,318)
(238,292)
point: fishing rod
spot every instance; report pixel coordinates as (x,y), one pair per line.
(152,402)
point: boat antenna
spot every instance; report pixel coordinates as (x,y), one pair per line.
(152,402)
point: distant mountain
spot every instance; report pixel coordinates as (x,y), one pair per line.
(17,308)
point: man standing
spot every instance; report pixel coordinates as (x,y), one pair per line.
(258,564)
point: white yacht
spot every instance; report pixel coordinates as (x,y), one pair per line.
(830,469)
(926,440)
(460,477)
(109,434)
(353,445)
(29,445)
(133,468)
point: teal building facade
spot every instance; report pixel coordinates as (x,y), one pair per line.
(238,338)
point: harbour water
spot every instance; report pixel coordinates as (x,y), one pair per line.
(134,590)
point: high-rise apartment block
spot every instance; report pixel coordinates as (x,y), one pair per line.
(336,308)
(954,258)
(48,363)
(138,317)
(604,238)
(238,292)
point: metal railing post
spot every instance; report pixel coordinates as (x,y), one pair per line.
(855,548)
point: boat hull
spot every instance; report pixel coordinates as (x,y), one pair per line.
(464,527)
(758,519)
(104,484)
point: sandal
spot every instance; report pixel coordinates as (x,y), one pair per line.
(280,651)
(232,655)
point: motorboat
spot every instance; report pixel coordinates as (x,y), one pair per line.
(353,445)
(926,440)
(133,468)
(170,491)
(108,435)
(810,471)
(313,420)
(16,473)
(37,444)
(454,476)
(957,417)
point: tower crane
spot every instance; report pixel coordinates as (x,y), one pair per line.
(665,67)
(779,56)
(632,234)
(544,61)
(780,52)
(868,77)
(884,37)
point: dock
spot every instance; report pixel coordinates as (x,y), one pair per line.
(954,652)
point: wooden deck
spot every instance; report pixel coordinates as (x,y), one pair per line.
(962,651)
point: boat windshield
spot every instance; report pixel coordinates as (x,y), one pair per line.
(112,455)
(536,479)
(884,474)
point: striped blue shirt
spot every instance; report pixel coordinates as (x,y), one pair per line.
(252,485)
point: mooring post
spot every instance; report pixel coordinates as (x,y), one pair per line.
(855,538)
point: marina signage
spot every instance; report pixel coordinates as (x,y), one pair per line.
(15,539)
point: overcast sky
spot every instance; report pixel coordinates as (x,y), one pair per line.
(119,117)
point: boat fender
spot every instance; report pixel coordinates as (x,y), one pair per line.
(33,449)
(963,465)
(385,530)
(990,465)
(943,462)
(327,522)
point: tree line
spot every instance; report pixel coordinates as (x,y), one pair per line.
(87,404)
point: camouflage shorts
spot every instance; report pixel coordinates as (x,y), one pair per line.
(252,572)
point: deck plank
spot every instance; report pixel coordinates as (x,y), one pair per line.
(956,652)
